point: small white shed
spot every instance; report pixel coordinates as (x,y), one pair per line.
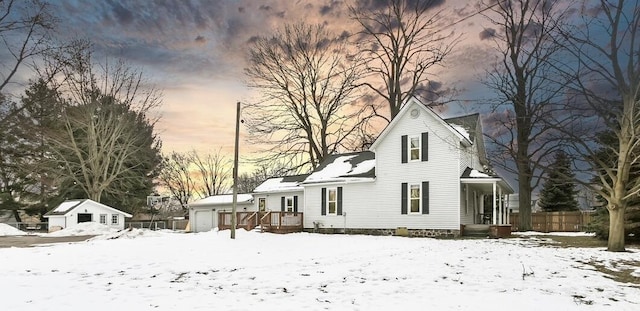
(73,212)
(203,214)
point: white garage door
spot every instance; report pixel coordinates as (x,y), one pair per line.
(205,220)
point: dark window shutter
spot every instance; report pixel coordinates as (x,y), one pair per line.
(339,200)
(323,200)
(425,146)
(295,203)
(403,202)
(404,148)
(425,197)
(282,203)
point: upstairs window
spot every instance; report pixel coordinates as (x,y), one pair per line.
(415,147)
(414,151)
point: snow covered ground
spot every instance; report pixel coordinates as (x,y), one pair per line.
(145,270)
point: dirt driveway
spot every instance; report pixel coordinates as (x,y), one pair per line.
(32,240)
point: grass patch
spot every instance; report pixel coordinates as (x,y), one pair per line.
(621,272)
(576,241)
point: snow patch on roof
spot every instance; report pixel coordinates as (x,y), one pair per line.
(461,130)
(223,199)
(66,206)
(477,174)
(277,184)
(350,167)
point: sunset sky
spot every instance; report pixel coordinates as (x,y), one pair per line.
(194,51)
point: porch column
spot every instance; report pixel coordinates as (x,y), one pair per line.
(507,212)
(494,212)
(481,210)
(500,206)
(466,200)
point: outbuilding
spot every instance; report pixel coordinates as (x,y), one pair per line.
(203,214)
(73,212)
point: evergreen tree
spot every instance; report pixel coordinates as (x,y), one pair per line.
(558,191)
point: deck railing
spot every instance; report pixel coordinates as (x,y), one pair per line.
(277,222)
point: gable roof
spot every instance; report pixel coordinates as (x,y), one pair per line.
(223,199)
(347,167)
(415,102)
(69,205)
(281,184)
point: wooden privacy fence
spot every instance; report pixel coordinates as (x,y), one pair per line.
(555,221)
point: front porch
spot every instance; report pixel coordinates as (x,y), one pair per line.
(484,203)
(271,221)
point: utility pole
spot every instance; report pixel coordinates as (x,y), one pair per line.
(235,174)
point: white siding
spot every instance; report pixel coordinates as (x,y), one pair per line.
(377,205)
(442,171)
(57,222)
(273,200)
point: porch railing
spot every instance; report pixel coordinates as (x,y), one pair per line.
(277,222)
(282,222)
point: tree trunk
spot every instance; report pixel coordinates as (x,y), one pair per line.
(524,204)
(616,228)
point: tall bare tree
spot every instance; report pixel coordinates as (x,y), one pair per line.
(176,176)
(25,31)
(403,41)
(212,172)
(108,129)
(307,83)
(528,83)
(608,80)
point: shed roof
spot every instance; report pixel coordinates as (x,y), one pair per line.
(69,205)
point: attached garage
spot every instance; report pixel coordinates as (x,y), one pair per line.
(203,214)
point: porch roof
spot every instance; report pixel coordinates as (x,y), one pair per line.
(483,180)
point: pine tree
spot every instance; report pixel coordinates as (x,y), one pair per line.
(558,191)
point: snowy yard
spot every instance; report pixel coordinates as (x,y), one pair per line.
(144,270)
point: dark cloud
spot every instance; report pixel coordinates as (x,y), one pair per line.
(325,9)
(375,5)
(123,15)
(487,33)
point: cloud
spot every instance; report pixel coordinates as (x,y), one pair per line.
(487,33)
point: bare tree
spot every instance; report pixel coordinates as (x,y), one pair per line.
(25,30)
(528,85)
(402,42)
(608,80)
(307,83)
(248,182)
(212,172)
(177,177)
(108,129)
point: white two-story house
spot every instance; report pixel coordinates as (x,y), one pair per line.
(423,176)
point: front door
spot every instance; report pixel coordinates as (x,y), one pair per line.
(84,217)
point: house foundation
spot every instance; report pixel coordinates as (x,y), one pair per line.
(414,233)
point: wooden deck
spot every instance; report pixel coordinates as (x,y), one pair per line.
(275,222)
